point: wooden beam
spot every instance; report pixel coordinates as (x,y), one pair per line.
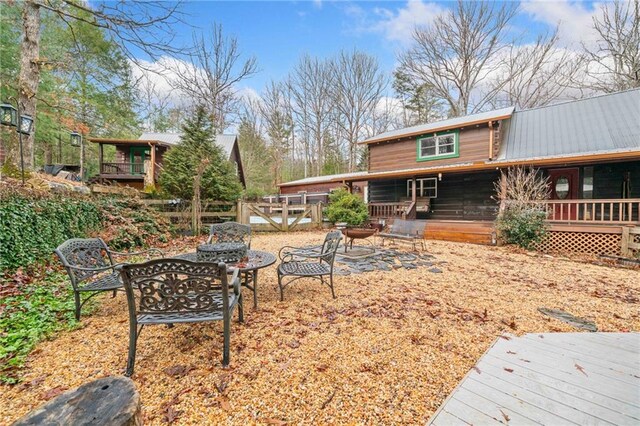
(153,162)
(100,157)
(413,190)
(491,132)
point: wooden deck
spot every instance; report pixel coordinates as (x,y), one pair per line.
(550,379)
(463,231)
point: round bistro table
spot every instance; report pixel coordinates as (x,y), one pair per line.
(256,260)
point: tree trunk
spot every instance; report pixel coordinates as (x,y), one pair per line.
(29,73)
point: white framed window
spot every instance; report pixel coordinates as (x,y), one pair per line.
(425,187)
(444,145)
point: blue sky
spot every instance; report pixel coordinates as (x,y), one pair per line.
(278,32)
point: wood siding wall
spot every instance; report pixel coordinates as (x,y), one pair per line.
(460,196)
(608,179)
(401,155)
(465,197)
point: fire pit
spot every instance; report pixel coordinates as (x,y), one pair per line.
(360,233)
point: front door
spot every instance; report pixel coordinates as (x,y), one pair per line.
(564,186)
(138,155)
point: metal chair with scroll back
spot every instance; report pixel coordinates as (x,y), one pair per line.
(174,291)
(91,269)
(310,262)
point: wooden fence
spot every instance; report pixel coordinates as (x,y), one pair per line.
(261,216)
(630,243)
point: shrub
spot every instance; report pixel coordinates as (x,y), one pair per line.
(219,181)
(523,226)
(33,226)
(346,207)
(253,194)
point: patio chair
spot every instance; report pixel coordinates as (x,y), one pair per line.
(89,264)
(230,232)
(172,291)
(311,262)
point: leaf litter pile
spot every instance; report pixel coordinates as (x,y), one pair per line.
(388,350)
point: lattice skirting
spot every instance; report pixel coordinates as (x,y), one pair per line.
(581,242)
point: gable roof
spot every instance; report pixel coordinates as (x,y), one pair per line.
(451,123)
(225,141)
(602,124)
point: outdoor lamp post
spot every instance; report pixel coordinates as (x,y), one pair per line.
(77,140)
(10,116)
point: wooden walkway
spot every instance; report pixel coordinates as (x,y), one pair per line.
(550,379)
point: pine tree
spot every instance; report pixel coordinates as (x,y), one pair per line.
(219,180)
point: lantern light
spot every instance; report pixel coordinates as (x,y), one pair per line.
(76,138)
(26,124)
(8,115)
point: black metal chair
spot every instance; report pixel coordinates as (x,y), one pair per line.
(310,262)
(234,232)
(171,291)
(230,232)
(90,266)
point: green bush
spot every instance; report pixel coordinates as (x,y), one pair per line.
(346,207)
(253,194)
(523,226)
(33,227)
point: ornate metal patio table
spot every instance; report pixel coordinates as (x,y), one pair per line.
(255,260)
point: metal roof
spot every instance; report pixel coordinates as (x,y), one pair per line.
(602,124)
(451,123)
(325,178)
(225,141)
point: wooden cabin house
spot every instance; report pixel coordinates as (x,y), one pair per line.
(446,172)
(139,161)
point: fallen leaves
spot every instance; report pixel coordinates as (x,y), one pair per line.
(580,369)
(177,371)
(397,343)
(53,392)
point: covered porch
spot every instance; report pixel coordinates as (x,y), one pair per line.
(137,162)
(585,199)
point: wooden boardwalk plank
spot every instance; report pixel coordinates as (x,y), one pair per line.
(554,379)
(514,403)
(565,403)
(444,418)
(525,351)
(622,359)
(624,401)
(490,408)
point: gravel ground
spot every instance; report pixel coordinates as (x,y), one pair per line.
(388,350)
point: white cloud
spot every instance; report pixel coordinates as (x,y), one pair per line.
(574,19)
(398,25)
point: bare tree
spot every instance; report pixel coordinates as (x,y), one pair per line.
(536,74)
(459,52)
(279,126)
(614,60)
(359,84)
(138,25)
(310,83)
(215,68)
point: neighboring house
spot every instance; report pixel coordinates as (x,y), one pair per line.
(317,188)
(138,161)
(446,171)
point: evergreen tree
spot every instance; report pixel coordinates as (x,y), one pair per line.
(219,180)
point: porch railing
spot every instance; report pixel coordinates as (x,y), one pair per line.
(391,210)
(122,168)
(603,211)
